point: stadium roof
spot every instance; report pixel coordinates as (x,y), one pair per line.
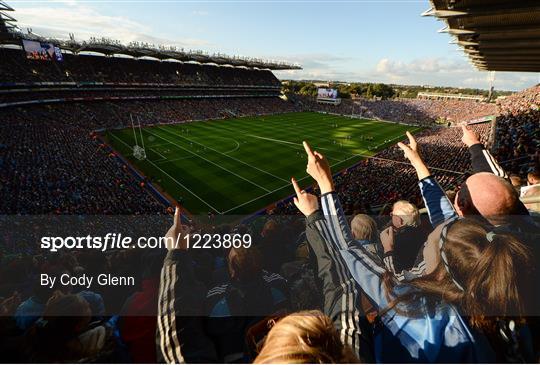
(137,50)
(496,35)
(7,22)
(10,34)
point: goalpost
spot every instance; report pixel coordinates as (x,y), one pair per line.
(139,152)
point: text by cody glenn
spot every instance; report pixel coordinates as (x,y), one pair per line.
(84,280)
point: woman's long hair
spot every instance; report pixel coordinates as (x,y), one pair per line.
(484,276)
(304,337)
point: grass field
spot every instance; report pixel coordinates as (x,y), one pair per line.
(237,166)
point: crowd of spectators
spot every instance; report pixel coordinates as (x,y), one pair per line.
(518,135)
(111,93)
(340,285)
(41,324)
(15,67)
(413,111)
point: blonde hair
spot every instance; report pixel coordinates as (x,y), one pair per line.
(307,337)
(363,227)
(408,213)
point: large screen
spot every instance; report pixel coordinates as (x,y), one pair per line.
(41,51)
(327,93)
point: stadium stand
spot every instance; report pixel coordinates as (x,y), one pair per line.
(517,140)
(98,69)
(411,111)
(310,290)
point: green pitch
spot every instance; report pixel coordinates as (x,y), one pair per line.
(237,166)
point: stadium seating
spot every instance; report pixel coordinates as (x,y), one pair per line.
(413,111)
(517,140)
(95,69)
(52,163)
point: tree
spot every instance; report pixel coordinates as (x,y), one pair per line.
(344,91)
(382,90)
(369,93)
(309,90)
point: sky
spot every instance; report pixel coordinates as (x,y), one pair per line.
(340,40)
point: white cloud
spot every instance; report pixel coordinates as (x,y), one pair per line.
(397,69)
(69,2)
(86,22)
(316,66)
(447,72)
(428,71)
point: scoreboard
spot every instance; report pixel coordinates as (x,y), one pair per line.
(328,96)
(327,93)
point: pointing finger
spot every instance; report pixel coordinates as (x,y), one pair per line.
(403,146)
(177,217)
(308,149)
(296,187)
(412,141)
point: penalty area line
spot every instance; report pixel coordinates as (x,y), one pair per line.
(224,154)
(211,162)
(176,181)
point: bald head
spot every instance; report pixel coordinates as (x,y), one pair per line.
(489,195)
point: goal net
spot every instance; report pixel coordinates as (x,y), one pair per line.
(139,153)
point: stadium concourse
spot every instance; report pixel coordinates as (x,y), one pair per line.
(393,286)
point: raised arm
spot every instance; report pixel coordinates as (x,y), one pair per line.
(437,203)
(366,269)
(181,337)
(339,230)
(341,294)
(481,159)
(335,233)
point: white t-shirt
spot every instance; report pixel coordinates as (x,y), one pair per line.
(524,189)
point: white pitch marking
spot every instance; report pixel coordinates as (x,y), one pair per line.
(233,158)
(213,163)
(173,179)
(156,152)
(185,188)
(283,187)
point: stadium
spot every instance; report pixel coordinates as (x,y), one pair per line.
(410,236)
